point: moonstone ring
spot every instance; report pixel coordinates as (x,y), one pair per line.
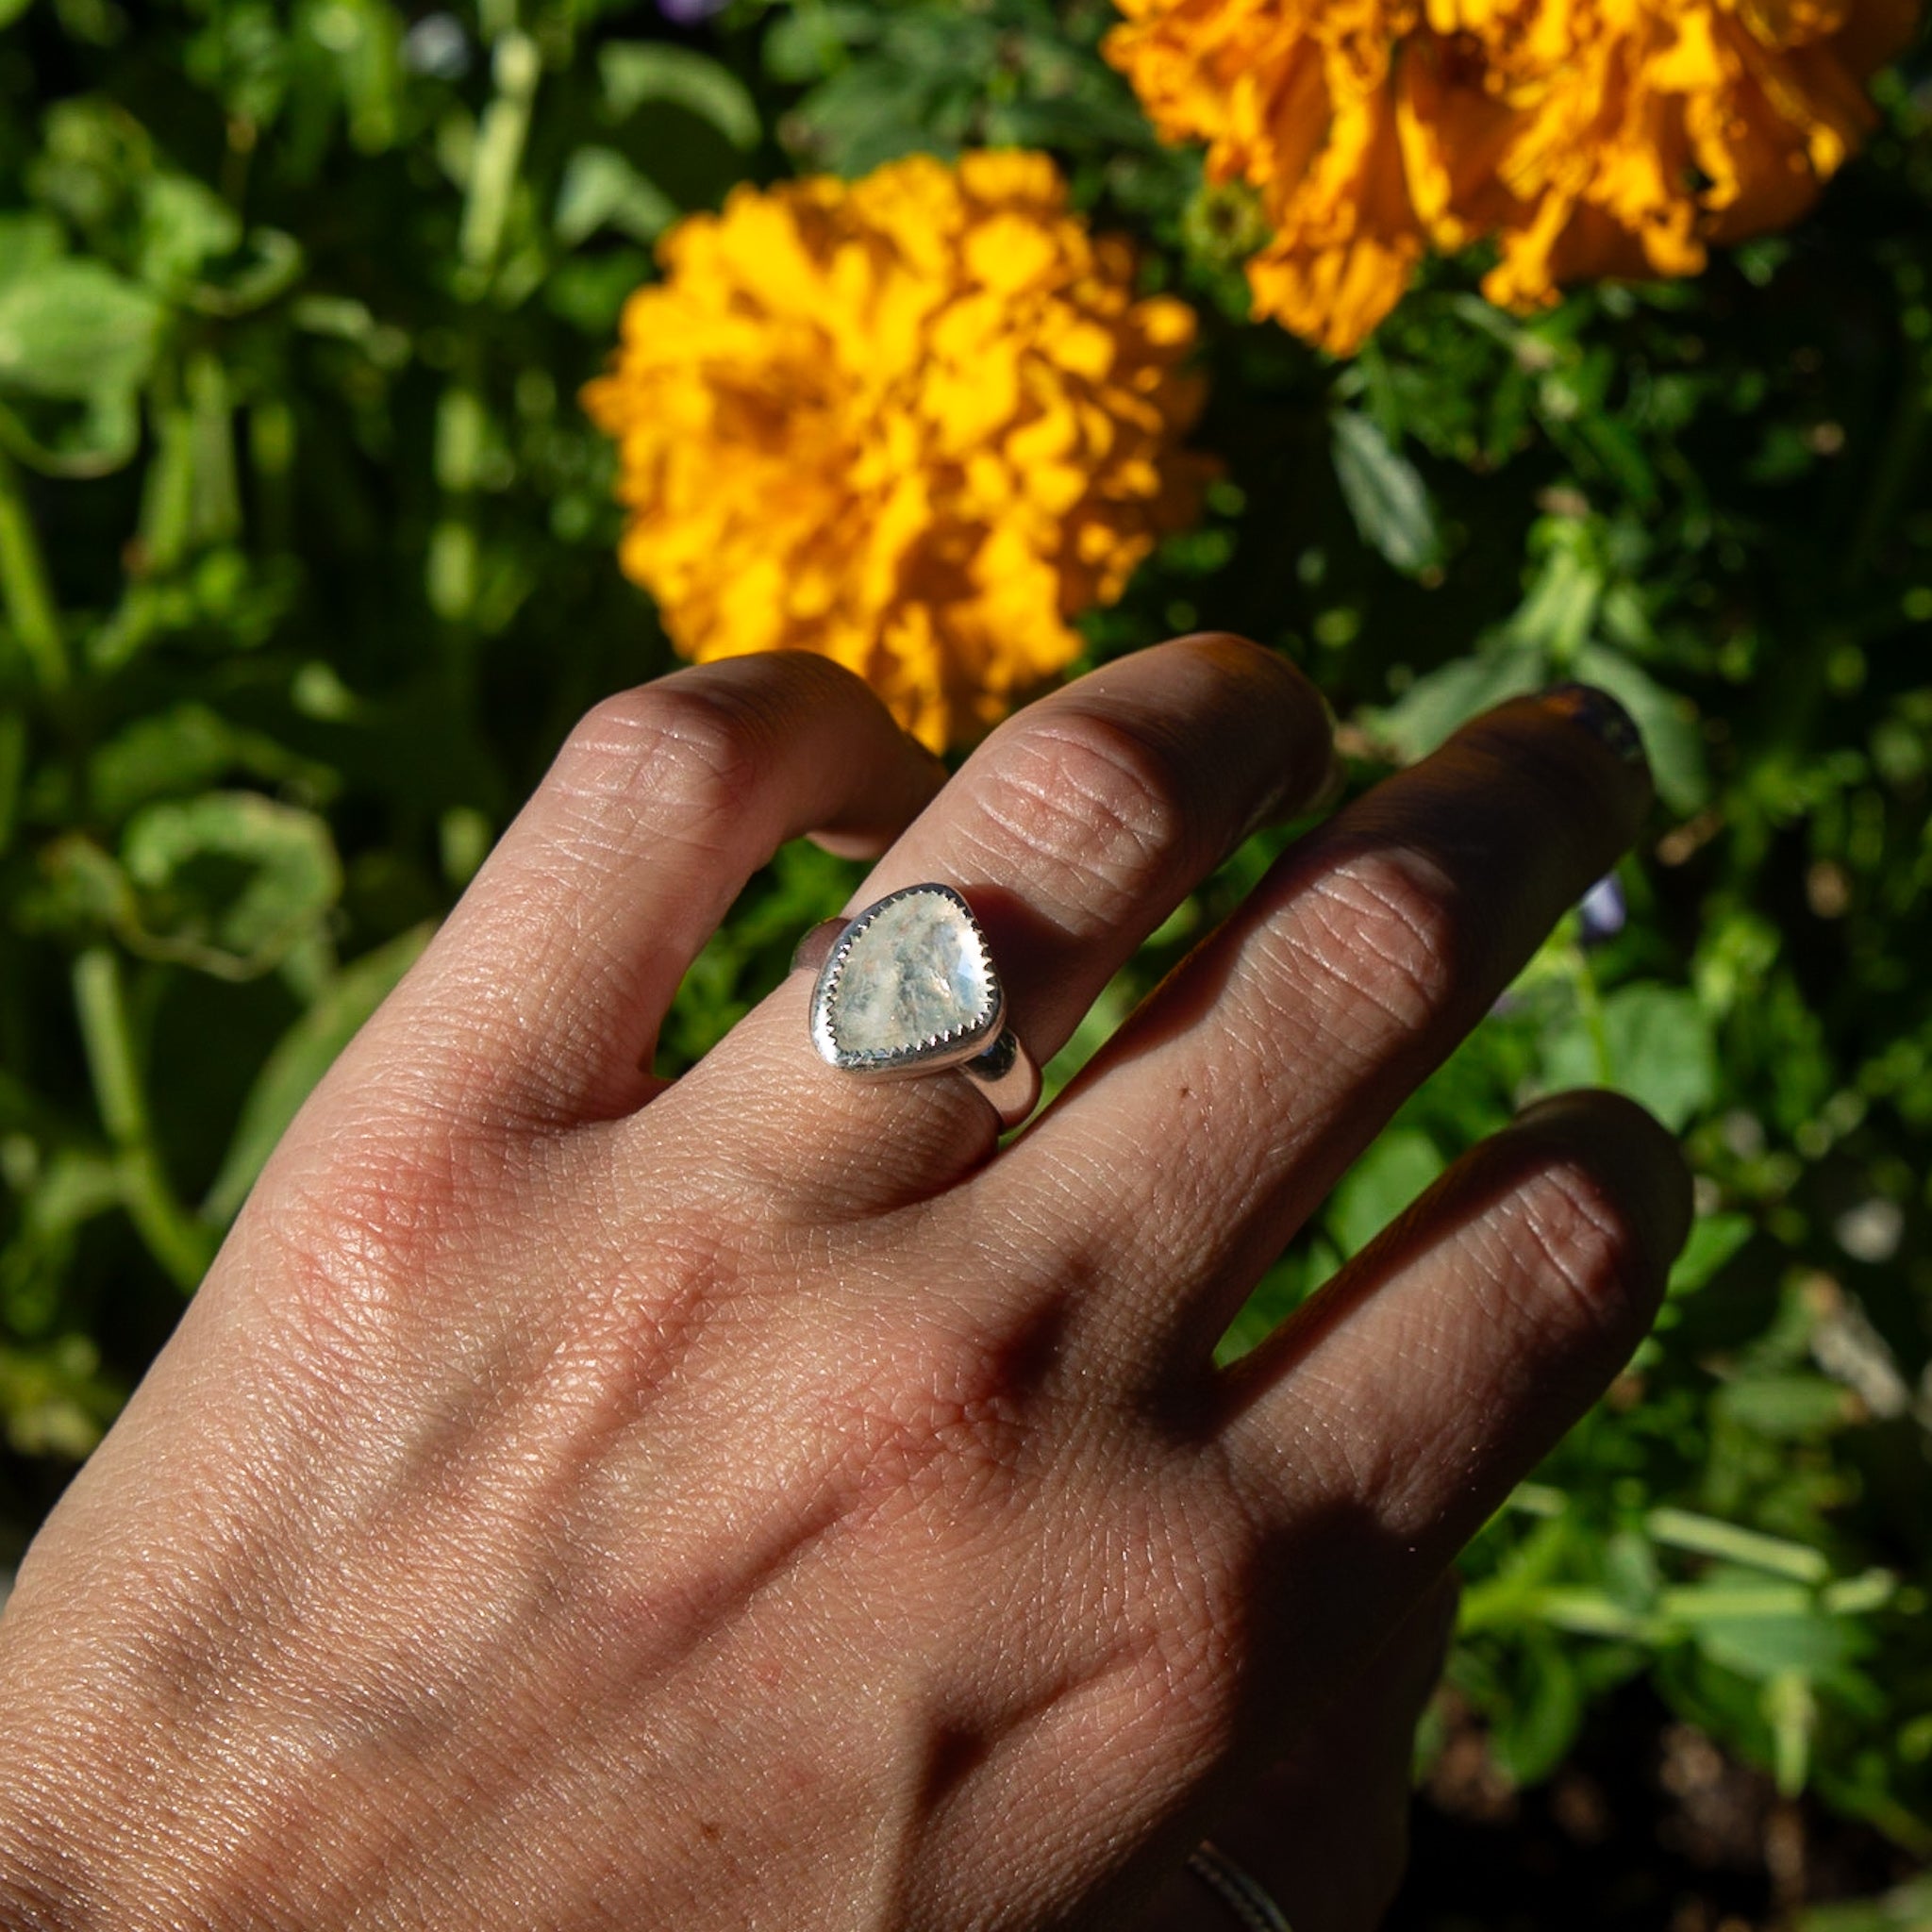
(909,987)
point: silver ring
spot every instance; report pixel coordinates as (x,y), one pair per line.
(1237,1888)
(909,987)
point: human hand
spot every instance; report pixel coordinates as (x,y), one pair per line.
(577,1501)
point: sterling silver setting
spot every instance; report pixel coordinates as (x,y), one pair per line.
(1237,1888)
(909,985)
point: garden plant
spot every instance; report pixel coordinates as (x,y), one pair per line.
(382,385)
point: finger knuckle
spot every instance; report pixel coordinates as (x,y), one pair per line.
(1382,925)
(1094,809)
(694,753)
(1571,1239)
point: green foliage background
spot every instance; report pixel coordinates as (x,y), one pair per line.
(307,561)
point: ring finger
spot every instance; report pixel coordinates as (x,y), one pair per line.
(1071,832)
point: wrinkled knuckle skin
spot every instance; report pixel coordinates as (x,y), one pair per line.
(1574,1242)
(1096,805)
(696,753)
(1383,926)
(1267,679)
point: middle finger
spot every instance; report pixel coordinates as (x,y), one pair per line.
(1219,1118)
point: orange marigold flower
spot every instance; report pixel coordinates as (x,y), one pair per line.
(915,421)
(1587,137)
(1295,98)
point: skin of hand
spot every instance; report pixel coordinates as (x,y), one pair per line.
(580,1501)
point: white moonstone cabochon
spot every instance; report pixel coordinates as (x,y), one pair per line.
(917,970)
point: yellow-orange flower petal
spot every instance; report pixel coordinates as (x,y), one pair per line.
(1291,96)
(916,422)
(1585,137)
(1658,130)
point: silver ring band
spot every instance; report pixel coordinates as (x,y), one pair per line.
(908,986)
(1236,1888)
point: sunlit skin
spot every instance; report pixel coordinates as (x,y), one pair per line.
(764,1500)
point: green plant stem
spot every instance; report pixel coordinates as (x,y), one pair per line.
(1707,1536)
(1893,473)
(1590,1008)
(516,66)
(175,1239)
(30,605)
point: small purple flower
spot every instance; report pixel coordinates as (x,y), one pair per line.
(1602,911)
(691,12)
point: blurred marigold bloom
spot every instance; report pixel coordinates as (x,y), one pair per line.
(1587,137)
(915,421)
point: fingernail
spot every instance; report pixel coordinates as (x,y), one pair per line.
(1336,782)
(1334,785)
(1553,1106)
(1287,802)
(1602,716)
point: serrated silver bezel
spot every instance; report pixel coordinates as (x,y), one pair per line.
(944,1049)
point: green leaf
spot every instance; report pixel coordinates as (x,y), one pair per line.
(1067,122)
(1450,696)
(1906,1909)
(1385,493)
(184,226)
(635,71)
(10,10)
(1531,1737)
(99,437)
(807,43)
(588,291)
(1662,1050)
(601,190)
(1560,610)
(299,1060)
(1714,1239)
(1786,1408)
(74,1185)
(1743,1550)
(29,244)
(1762,1630)
(1381,1185)
(76,330)
(1631,1572)
(81,891)
(1654,1042)
(59,1193)
(227,882)
(1621,453)
(363,40)
(1791,1711)
(53,1400)
(188,747)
